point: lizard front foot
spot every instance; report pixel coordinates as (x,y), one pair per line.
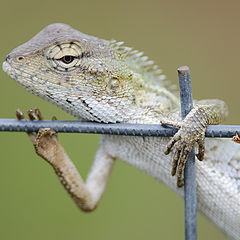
(45,140)
(191,131)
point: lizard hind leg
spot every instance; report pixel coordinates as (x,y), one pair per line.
(85,195)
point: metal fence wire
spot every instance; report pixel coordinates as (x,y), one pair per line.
(220,131)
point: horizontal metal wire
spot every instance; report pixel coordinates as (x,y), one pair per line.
(13,125)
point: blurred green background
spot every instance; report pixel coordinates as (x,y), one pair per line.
(33,205)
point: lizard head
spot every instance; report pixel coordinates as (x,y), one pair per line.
(91,78)
(83,75)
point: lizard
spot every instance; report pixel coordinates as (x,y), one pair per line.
(104,81)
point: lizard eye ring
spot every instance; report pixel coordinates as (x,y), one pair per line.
(64,56)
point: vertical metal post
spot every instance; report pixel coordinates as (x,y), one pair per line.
(189,171)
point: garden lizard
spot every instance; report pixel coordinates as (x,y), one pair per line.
(104,81)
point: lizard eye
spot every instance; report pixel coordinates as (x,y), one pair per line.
(64,56)
(67,59)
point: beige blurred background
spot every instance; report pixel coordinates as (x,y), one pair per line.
(33,205)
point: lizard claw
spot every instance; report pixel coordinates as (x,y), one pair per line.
(32,114)
(176,138)
(20,115)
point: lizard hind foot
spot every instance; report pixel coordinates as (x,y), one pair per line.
(191,131)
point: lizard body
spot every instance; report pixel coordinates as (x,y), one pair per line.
(99,80)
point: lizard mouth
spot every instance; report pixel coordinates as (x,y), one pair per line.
(7,68)
(13,72)
(16,74)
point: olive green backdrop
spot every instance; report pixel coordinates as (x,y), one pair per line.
(33,205)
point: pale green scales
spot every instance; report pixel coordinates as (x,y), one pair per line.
(99,80)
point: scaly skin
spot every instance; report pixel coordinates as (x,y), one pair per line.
(99,80)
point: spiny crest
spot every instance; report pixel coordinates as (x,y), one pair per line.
(142,65)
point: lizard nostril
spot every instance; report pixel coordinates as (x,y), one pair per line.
(8,57)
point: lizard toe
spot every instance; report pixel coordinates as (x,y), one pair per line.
(171,143)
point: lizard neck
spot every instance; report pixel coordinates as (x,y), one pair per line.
(152,102)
